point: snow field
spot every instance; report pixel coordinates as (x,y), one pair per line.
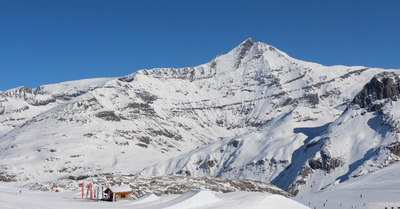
(200,199)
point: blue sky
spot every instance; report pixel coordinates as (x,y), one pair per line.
(50,41)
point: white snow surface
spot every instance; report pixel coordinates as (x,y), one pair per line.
(146,199)
(72,86)
(382,186)
(11,198)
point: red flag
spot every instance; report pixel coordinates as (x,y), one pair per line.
(91,191)
(83,189)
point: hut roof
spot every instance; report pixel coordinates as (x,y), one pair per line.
(120,189)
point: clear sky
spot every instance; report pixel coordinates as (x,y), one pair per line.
(50,41)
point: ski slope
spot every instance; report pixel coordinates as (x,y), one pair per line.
(11,198)
(376,187)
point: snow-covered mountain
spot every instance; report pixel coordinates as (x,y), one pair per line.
(252,113)
(363,139)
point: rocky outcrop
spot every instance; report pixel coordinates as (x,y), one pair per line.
(169,184)
(108,115)
(382,86)
(395,148)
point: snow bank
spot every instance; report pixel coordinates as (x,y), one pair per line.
(191,199)
(146,198)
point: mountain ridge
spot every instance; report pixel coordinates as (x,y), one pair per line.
(253,95)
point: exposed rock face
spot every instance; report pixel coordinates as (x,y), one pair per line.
(395,148)
(381,86)
(108,115)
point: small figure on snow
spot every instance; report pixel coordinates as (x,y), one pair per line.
(20,191)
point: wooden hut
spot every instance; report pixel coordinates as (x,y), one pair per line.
(118,193)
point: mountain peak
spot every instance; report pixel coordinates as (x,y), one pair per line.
(247,44)
(248,40)
(243,49)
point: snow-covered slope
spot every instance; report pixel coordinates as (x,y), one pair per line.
(307,159)
(382,186)
(21,104)
(262,114)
